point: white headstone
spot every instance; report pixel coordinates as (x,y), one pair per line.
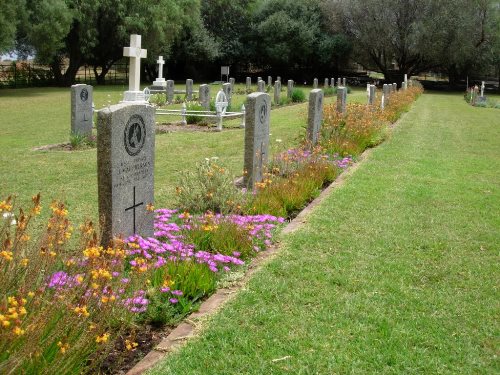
(134,80)
(160,81)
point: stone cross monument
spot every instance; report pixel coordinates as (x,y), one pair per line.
(135,53)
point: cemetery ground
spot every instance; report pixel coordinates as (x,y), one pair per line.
(348,226)
(41,116)
(395,272)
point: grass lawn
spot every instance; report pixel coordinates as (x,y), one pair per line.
(396,271)
(41,116)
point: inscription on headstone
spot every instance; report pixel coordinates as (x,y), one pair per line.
(125,165)
(81,110)
(315,115)
(204,96)
(258,110)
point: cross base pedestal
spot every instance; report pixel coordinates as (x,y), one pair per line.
(160,82)
(134,96)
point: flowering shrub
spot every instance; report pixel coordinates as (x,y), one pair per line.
(64,307)
(210,187)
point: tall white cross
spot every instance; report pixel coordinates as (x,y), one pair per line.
(136,54)
(160,63)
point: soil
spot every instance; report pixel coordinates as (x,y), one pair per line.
(120,360)
(61,147)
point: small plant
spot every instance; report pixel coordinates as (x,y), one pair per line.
(194,106)
(158,99)
(298,96)
(329,91)
(79,141)
(210,187)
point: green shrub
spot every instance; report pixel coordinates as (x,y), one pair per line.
(193,106)
(329,91)
(209,187)
(298,96)
(159,99)
(78,141)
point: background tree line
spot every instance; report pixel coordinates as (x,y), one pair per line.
(300,38)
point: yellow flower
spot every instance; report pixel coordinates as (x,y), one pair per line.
(102,338)
(81,311)
(63,347)
(31,294)
(130,345)
(24,262)
(18,331)
(150,207)
(5,323)
(8,255)
(25,238)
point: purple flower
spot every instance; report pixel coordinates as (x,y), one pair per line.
(173,300)
(177,292)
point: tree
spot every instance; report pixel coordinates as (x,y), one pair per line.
(69,33)
(9,19)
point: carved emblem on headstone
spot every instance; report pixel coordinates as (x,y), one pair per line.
(134,135)
(84,95)
(263,113)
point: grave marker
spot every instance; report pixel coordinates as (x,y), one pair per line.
(289,88)
(204,96)
(81,110)
(332,82)
(371,94)
(344,82)
(232,81)
(249,83)
(160,81)
(339,82)
(261,86)
(189,90)
(341,99)
(315,83)
(277,92)
(394,87)
(326,85)
(269,80)
(170,91)
(125,166)
(315,115)
(135,53)
(226,88)
(258,110)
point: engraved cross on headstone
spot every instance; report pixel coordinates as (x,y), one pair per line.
(136,54)
(133,207)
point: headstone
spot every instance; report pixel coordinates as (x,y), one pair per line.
(189,90)
(394,87)
(134,80)
(277,92)
(261,86)
(232,81)
(404,85)
(339,82)
(371,94)
(204,96)
(315,115)
(278,78)
(269,80)
(258,110)
(382,102)
(170,91)
(81,110)
(289,88)
(221,104)
(226,88)
(482,89)
(332,82)
(387,92)
(341,99)
(344,82)
(125,170)
(160,81)
(406,79)
(315,83)
(326,83)
(249,83)
(259,79)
